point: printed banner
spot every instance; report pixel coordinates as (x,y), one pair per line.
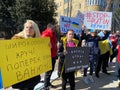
(76,58)
(22,59)
(70,23)
(98,20)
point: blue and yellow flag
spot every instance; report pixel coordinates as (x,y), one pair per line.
(104,46)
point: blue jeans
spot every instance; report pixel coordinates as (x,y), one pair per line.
(91,68)
(48,74)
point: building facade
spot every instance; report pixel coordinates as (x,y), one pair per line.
(70,7)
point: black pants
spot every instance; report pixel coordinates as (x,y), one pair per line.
(114,54)
(27,88)
(27,84)
(48,74)
(68,76)
(102,61)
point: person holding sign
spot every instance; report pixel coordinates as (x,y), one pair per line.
(67,41)
(30,30)
(92,43)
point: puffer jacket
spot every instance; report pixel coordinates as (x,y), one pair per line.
(61,56)
(49,33)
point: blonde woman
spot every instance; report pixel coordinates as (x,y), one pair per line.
(30,30)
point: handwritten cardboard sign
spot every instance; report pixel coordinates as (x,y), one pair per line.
(76,58)
(98,20)
(70,23)
(22,59)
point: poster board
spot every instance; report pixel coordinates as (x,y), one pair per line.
(70,23)
(22,59)
(98,20)
(75,58)
(80,16)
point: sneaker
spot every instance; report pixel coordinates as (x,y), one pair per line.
(91,79)
(106,72)
(97,75)
(52,86)
(85,80)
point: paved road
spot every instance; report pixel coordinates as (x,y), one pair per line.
(105,82)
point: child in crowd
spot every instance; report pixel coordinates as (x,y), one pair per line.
(65,42)
(92,43)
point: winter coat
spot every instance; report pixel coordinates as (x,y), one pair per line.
(92,43)
(61,56)
(49,33)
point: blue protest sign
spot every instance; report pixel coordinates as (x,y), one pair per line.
(1,86)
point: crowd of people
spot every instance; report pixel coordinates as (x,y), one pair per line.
(104,46)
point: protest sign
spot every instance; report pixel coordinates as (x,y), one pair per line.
(98,20)
(69,23)
(22,59)
(75,58)
(80,16)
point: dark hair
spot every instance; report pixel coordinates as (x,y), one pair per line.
(50,25)
(69,30)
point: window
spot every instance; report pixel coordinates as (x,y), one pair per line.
(92,2)
(79,5)
(66,1)
(66,11)
(99,2)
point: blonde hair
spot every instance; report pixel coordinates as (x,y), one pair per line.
(35,28)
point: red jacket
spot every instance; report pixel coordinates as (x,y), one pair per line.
(119,53)
(49,33)
(114,40)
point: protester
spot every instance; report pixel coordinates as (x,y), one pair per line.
(50,32)
(117,34)
(113,40)
(92,43)
(105,52)
(67,41)
(117,66)
(30,30)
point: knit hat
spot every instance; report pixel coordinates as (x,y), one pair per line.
(92,30)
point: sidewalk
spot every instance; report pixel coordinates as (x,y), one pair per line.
(105,82)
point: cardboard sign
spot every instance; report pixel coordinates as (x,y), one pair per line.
(76,58)
(22,59)
(70,23)
(80,16)
(98,20)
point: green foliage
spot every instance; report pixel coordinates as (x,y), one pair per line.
(13,13)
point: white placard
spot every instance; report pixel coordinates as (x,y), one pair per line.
(69,23)
(98,20)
